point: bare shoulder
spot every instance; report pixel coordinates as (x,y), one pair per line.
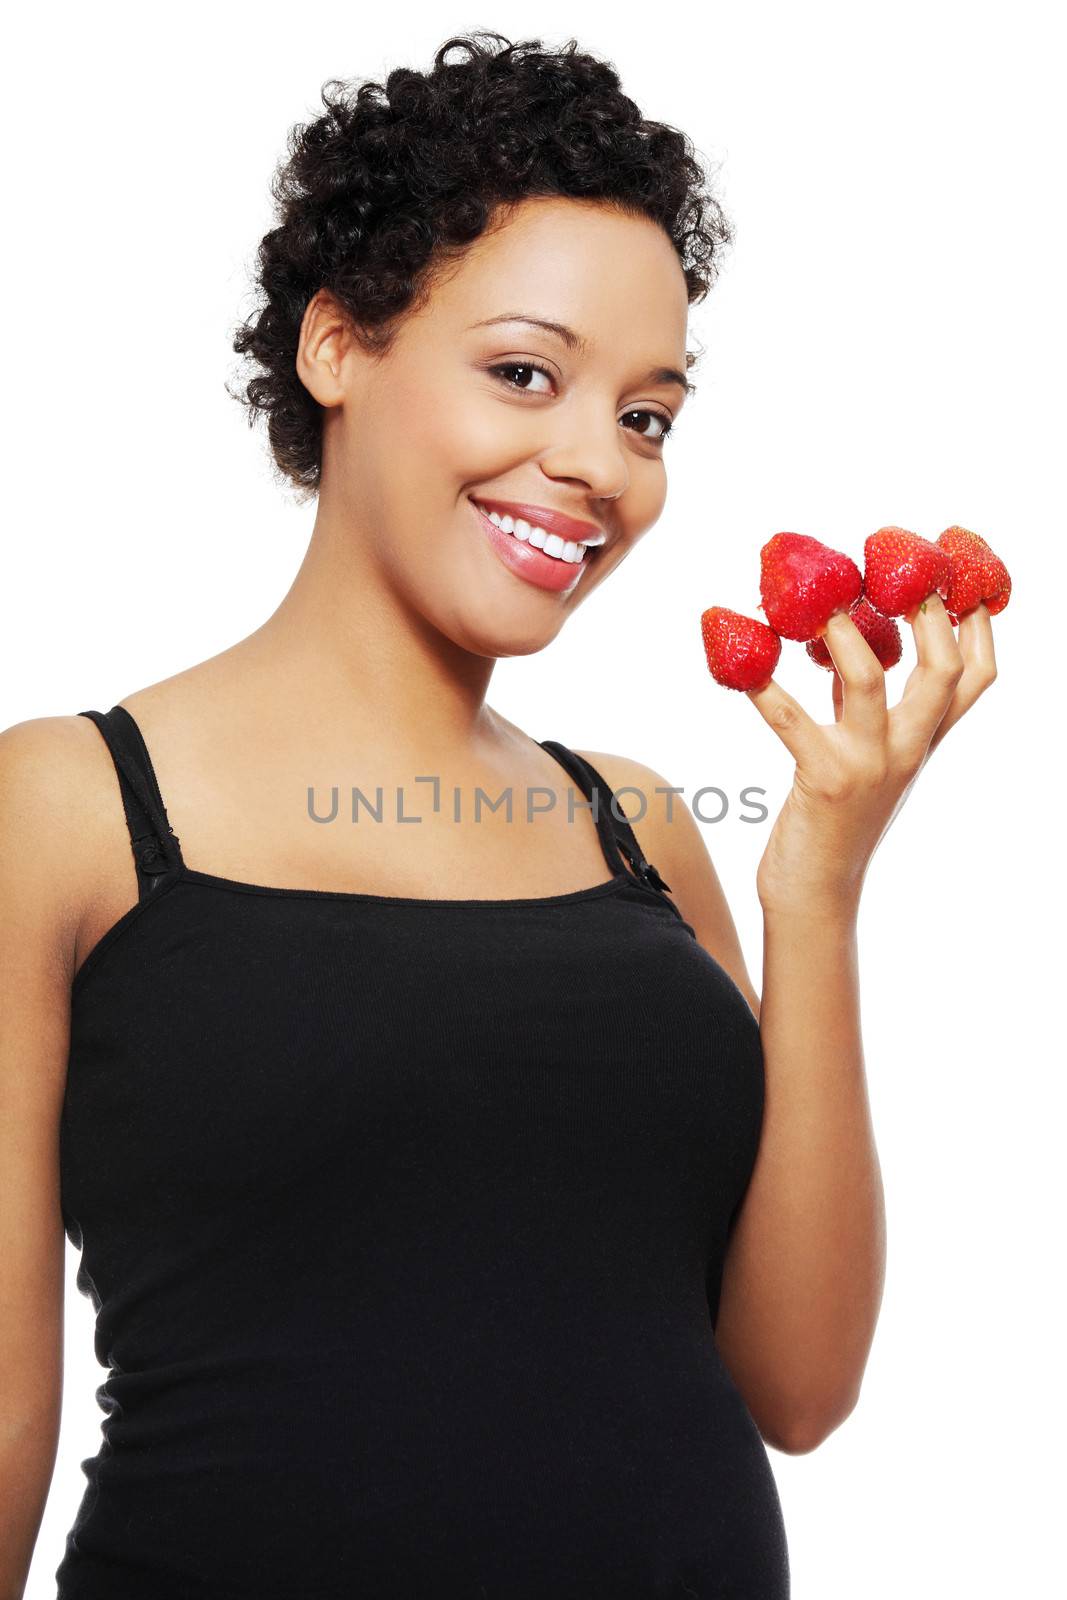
(61,741)
(673,841)
(54,793)
(50,763)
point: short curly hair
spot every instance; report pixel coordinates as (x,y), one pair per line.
(395,179)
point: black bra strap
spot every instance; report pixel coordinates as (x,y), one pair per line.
(616,834)
(156,850)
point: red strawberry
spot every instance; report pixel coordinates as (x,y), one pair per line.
(742,652)
(901,570)
(977,573)
(881,633)
(996,584)
(966,552)
(803,582)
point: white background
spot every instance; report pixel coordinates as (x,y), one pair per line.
(886,344)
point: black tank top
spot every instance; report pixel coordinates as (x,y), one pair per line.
(403,1222)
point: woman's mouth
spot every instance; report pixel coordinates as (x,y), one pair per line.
(543,559)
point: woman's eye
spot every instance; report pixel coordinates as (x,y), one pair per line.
(504,369)
(519,366)
(666,426)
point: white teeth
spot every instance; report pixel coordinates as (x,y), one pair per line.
(563,550)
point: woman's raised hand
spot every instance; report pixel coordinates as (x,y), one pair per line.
(853,775)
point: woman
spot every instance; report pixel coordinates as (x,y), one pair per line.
(415,1172)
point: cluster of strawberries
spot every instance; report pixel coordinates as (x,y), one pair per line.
(803,582)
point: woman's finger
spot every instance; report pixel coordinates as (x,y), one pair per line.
(838,696)
(933,680)
(800,734)
(979,667)
(861,674)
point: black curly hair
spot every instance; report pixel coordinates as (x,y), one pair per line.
(395,180)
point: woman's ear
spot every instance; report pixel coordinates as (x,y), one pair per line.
(326,349)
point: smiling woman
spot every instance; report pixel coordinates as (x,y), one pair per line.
(586,429)
(479,411)
(404,1174)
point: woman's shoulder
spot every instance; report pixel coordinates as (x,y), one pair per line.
(60,764)
(671,838)
(59,767)
(655,809)
(55,775)
(45,760)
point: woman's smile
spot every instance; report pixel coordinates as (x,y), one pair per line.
(543,559)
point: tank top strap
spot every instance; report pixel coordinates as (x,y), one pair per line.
(156,847)
(623,853)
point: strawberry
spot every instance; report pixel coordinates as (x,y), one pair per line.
(901,569)
(880,632)
(742,652)
(965,551)
(977,573)
(803,582)
(996,584)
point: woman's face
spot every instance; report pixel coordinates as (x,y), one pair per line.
(474,405)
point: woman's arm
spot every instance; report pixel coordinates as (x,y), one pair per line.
(805,1266)
(38,919)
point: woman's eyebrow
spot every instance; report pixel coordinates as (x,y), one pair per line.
(574,341)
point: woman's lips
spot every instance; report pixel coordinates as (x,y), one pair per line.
(524,559)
